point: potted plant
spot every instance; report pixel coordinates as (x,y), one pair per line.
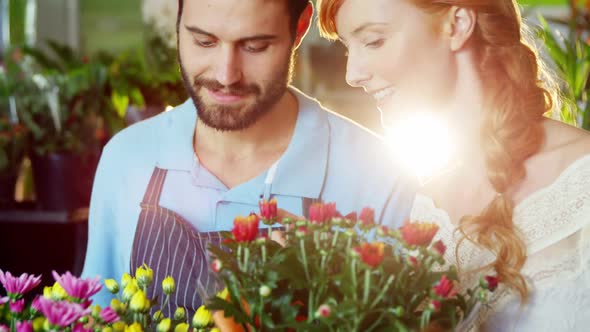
(65,111)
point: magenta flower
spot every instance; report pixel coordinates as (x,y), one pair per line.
(25,326)
(108,315)
(60,313)
(17,306)
(16,287)
(4,300)
(76,287)
(4,328)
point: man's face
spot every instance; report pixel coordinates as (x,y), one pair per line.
(235,58)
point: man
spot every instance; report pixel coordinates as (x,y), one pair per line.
(166,186)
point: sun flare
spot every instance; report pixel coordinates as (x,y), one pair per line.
(423,144)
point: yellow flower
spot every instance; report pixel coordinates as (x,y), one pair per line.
(38,323)
(129,291)
(96,311)
(223,294)
(168,285)
(135,327)
(202,318)
(58,293)
(117,306)
(158,316)
(112,285)
(183,327)
(119,327)
(215,330)
(144,275)
(47,292)
(125,280)
(107,329)
(180,313)
(139,302)
(164,325)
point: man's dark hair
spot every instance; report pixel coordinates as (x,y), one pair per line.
(295,7)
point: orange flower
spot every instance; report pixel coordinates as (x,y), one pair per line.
(268,210)
(245,229)
(418,234)
(444,288)
(320,213)
(371,253)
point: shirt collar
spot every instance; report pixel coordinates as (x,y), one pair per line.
(306,155)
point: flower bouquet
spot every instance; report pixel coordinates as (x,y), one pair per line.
(337,273)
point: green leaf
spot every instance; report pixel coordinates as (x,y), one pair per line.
(120,102)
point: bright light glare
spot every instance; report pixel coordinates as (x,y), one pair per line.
(168,108)
(423,143)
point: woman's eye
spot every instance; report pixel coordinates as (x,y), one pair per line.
(375,43)
(205,43)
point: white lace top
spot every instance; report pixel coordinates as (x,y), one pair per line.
(555,222)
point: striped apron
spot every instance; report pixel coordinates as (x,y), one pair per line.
(171,246)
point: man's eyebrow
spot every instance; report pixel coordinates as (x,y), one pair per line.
(260,37)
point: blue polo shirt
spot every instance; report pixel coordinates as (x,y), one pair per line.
(329,157)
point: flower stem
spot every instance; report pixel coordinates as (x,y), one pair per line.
(310,307)
(367,286)
(263,249)
(353,275)
(246,258)
(240,257)
(383,291)
(304,258)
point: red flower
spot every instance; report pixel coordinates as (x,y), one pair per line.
(418,234)
(490,283)
(371,253)
(444,288)
(320,213)
(439,247)
(324,311)
(367,216)
(245,228)
(434,305)
(268,210)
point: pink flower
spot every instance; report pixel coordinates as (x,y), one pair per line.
(216,266)
(108,315)
(444,288)
(78,288)
(367,216)
(17,306)
(60,313)
(490,283)
(320,213)
(268,211)
(324,311)
(439,247)
(4,328)
(18,286)
(4,300)
(26,326)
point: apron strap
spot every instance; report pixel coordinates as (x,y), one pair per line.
(270,176)
(154,189)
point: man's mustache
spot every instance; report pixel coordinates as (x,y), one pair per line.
(237,89)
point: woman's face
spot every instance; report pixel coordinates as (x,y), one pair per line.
(396,53)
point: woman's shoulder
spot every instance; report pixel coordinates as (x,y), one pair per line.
(567,142)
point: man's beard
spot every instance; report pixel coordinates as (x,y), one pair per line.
(239,117)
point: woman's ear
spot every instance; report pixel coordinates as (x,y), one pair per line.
(458,27)
(303,24)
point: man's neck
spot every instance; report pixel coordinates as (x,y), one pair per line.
(254,148)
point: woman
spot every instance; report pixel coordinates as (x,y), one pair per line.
(519,201)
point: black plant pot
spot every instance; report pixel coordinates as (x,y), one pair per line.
(63,181)
(7,188)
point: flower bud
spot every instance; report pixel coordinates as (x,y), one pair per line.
(324,311)
(300,223)
(287,221)
(164,325)
(96,311)
(350,232)
(158,316)
(264,291)
(223,294)
(180,314)
(182,327)
(129,291)
(301,232)
(47,292)
(139,302)
(125,280)
(216,266)
(119,326)
(202,318)
(434,305)
(135,327)
(107,329)
(489,282)
(38,323)
(168,285)
(144,275)
(117,306)
(112,286)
